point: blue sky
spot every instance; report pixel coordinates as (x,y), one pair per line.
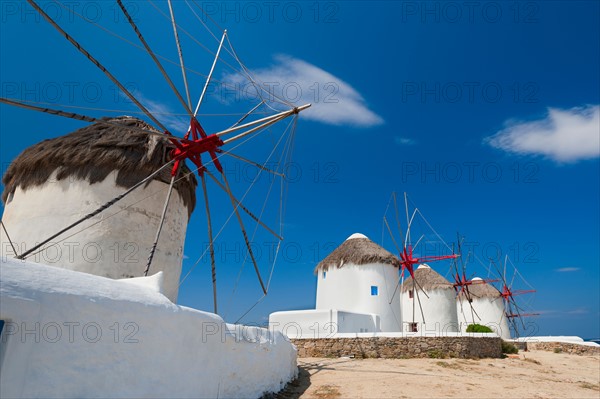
(486,114)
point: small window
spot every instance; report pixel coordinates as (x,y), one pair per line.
(324,275)
(374,290)
(411,294)
(412,327)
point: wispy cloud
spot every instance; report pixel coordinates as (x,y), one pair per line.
(578,311)
(568,269)
(546,312)
(564,135)
(333,100)
(404,141)
(553,313)
(173,121)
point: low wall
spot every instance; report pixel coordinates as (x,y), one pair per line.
(400,348)
(564,347)
(322,323)
(76,335)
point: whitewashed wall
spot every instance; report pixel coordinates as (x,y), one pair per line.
(71,334)
(118,247)
(349,289)
(439,311)
(322,323)
(490,312)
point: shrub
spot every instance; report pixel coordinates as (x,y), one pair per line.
(436,354)
(478,328)
(507,347)
(557,350)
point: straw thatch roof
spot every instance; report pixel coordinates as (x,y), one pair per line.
(481,289)
(428,279)
(91,153)
(357,250)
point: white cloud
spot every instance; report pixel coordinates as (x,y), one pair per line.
(568,269)
(547,312)
(404,141)
(578,311)
(176,123)
(565,135)
(334,101)
(561,313)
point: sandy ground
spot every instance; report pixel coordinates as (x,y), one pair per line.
(536,374)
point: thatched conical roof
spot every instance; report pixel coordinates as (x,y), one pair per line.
(481,289)
(92,152)
(428,279)
(357,250)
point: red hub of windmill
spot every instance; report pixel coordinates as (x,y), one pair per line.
(193,149)
(408,261)
(508,296)
(463,282)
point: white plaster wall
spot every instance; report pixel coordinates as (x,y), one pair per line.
(303,323)
(118,247)
(71,334)
(439,311)
(349,289)
(321,323)
(490,312)
(348,322)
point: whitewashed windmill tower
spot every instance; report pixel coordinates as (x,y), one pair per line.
(433,309)
(486,307)
(360,276)
(60,180)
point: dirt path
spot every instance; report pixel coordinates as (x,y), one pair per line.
(536,374)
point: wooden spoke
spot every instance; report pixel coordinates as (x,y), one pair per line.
(210,242)
(241,223)
(160,225)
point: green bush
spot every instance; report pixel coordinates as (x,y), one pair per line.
(478,328)
(507,347)
(436,354)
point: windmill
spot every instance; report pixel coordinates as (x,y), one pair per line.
(513,311)
(206,150)
(462,283)
(408,256)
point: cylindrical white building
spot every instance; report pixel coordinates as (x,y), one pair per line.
(57,181)
(485,306)
(437,310)
(360,276)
